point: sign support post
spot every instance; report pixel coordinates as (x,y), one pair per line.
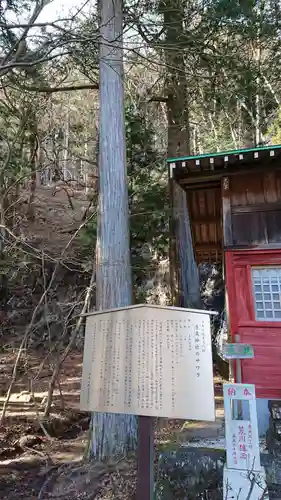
(238,363)
(145,457)
(237,352)
(136,361)
(238,377)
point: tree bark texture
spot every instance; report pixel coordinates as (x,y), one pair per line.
(179,145)
(33,150)
(113,435)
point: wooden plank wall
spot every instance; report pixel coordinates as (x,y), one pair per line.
(252,209)
(205,216)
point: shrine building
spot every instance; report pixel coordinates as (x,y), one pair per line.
(234,205)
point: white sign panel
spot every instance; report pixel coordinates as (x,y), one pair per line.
(242,440)
(149,360)
(242,485)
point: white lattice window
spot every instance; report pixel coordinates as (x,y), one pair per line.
(267,293)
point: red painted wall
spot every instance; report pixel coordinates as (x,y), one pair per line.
(265,369)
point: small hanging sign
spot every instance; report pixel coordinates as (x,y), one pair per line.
(238,351)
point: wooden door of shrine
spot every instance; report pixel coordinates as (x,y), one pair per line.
(253,284)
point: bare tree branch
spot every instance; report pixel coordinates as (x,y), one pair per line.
(67,88)
(29,327)
(70,345)
(39,6)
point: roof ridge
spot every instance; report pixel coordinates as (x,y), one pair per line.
(225,153)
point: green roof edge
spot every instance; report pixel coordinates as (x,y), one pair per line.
(224,153)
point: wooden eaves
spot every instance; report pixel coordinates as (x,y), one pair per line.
(213,166)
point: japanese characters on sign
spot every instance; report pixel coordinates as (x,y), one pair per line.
(149,361)
(234,449)
(242,443)
(238,351)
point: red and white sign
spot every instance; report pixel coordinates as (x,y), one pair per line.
(242,441)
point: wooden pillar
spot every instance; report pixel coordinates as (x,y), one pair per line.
(226,213)
(172,242)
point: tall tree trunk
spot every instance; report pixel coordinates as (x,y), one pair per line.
(258,57)
(33,150)
(66,147)
(3,275)
(113,435)
(179,145)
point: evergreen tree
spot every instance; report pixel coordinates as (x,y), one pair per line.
(148,196)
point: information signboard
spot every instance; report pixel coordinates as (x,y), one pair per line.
(149,360)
